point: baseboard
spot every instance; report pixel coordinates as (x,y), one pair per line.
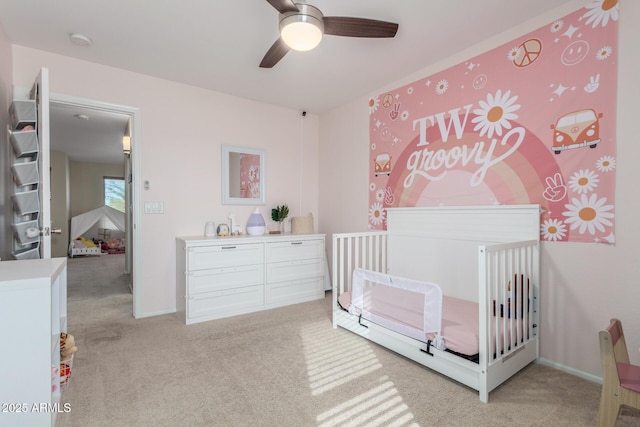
(156,313)
(569,370)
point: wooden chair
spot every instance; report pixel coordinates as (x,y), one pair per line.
(621,380)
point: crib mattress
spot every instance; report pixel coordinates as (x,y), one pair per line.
(460,329)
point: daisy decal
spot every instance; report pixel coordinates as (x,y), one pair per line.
(442,87)
(374,103)
(604,53)
(606,164)
(600,11)
(409,91)
(376,214)
(588,214)
(495,113)
(404,115)
(514,53)
(380,195)
(557,26)
(583,181)
(553,230)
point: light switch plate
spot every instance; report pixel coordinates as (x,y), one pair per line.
(153,207)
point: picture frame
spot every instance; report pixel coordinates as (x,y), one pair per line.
(243,175)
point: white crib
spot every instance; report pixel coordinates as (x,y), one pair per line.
(472,253)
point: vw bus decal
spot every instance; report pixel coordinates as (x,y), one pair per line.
(577,129)
(382,164)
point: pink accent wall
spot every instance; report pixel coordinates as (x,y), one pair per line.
(582,286)
(183,128)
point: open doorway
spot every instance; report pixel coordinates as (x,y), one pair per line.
(121,147)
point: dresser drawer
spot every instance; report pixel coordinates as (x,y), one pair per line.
(217,279)
(213,305)
(295,249)
(216,256)
(294,270)
(293,292)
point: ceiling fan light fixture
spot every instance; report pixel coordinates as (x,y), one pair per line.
(302,30)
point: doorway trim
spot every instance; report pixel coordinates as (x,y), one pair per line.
(136,162)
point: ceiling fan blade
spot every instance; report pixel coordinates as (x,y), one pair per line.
(358,27)
(275,53)
(283,6)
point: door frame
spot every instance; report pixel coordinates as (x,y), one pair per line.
(136,185)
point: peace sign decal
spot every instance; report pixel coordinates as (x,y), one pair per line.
(528,52)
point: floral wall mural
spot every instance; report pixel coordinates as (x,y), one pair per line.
(531,121)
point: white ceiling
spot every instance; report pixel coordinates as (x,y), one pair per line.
(218,45)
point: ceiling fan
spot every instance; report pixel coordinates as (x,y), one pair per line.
(302,27)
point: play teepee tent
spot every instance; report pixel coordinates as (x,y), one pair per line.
(113,219)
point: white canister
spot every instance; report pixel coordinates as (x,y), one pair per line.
(209,229)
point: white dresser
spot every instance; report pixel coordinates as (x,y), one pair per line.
(224,276)
(33,312)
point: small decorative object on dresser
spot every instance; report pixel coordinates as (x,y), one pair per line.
(209,229)
(279,214)
(223,230)
(302,224)
(255,224)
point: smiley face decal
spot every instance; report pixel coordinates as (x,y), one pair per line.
(575,53)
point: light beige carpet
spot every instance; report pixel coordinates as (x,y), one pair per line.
(283,367)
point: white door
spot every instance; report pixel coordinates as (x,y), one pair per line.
(40,92)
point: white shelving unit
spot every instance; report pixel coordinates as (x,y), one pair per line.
(33,312)
(26,179)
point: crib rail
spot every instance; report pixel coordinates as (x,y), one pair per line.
(366,250)
(508,279)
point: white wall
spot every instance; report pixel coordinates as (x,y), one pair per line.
(183,128)
(582,285)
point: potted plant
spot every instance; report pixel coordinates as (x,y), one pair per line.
(278,214)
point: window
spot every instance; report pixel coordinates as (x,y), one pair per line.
(114,193)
